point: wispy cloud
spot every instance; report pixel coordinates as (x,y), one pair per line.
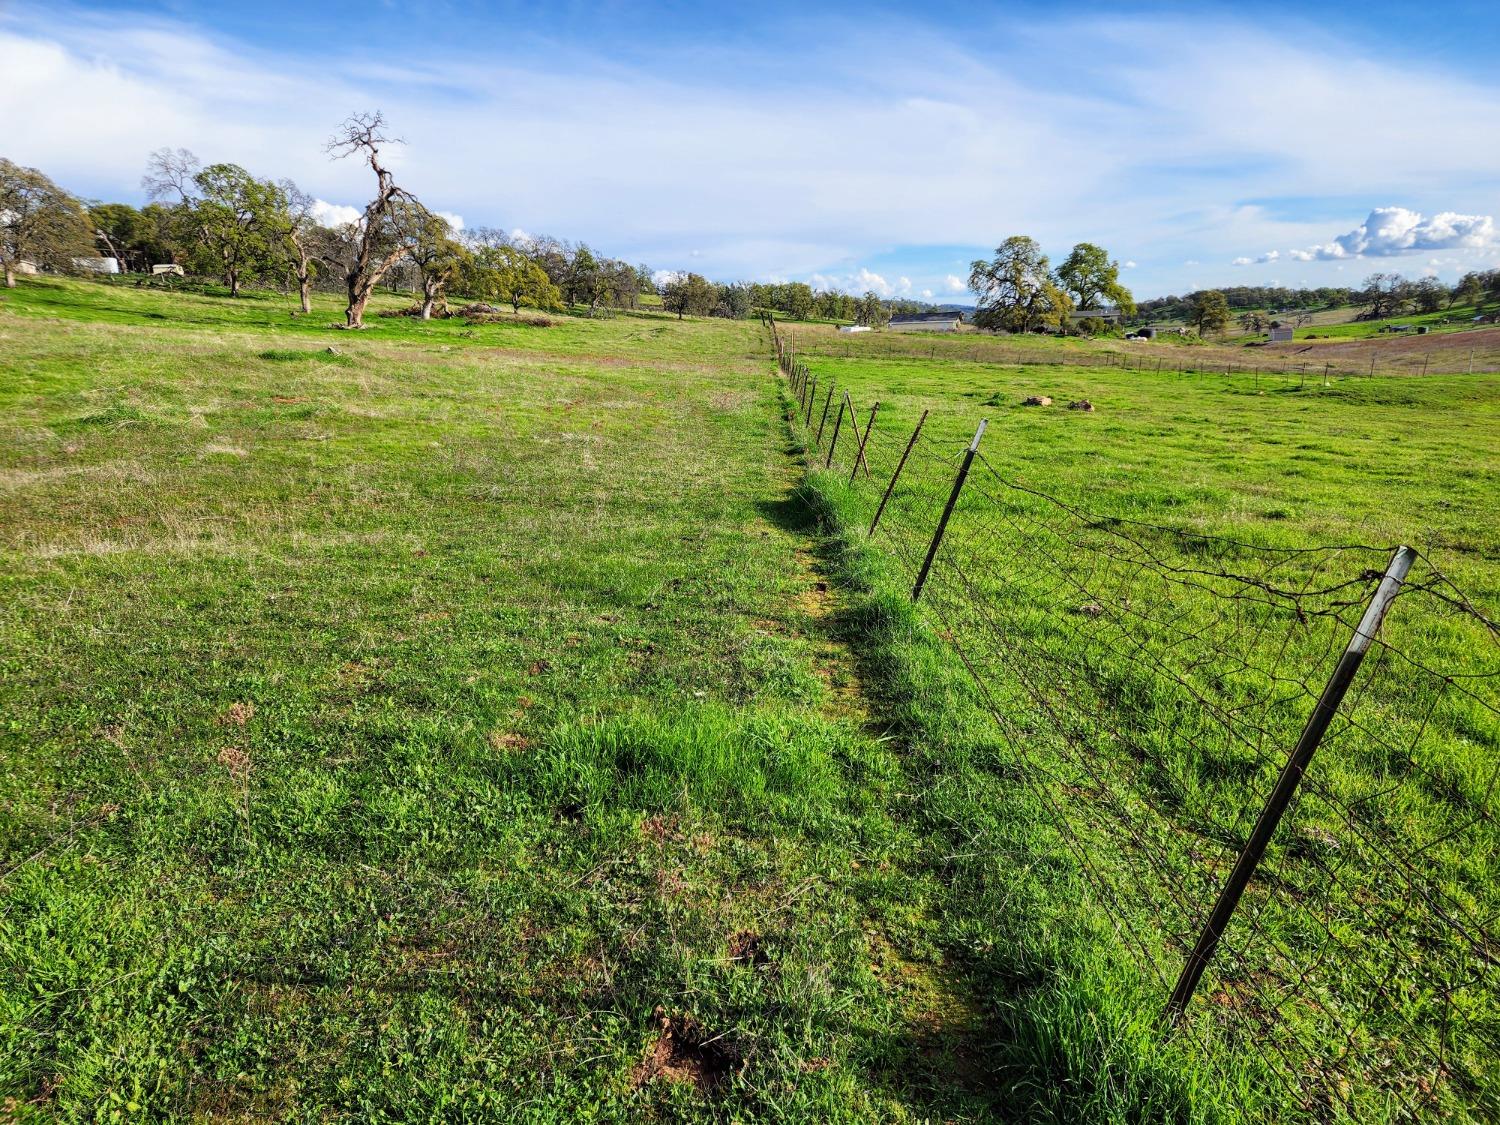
(1118,138)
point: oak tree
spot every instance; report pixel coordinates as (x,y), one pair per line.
(1016,289)
(1209,311)
(1088,275)
(688,293)
(436,254)
(39,222)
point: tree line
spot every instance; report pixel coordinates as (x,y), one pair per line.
(222,221)
(1381,295)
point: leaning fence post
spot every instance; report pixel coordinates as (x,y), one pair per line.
(821,421)
(834,440)
(958,485)
(859,455)
(901,464)
(1291,776)
(812,396)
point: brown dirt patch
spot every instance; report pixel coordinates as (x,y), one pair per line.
(729,400)
(237,715)
(236,761)
(685,1051)
(660,828)
(509,741)
(748,948)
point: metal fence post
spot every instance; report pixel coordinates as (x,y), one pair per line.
(859,455)
(823,420)
(901,464)
(1286,783)
(937,536)
(812,396)
(833,442)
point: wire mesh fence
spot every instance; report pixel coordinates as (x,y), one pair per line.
(1150,683)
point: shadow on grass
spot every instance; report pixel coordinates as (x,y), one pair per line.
(999,1018)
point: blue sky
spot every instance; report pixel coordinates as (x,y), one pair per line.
(862,146)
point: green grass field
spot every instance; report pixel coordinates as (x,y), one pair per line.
(1145,682)
(497,722)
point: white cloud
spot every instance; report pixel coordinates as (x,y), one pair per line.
(1398,230)
(333,214)
(1128,266)
(455,222)
(666,277)
(866,281)
(860,282)
(927,294)
(1135,156)
(1266,258)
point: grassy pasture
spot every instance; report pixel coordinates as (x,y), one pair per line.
(1362,460)
(1458,351)
(390,733)
(1153,712)
(479,722)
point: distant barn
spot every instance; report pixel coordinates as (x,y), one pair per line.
(1281,333)
(927,322)
(1107,313)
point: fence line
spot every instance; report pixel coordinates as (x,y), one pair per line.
(1158,690)
(1299,368)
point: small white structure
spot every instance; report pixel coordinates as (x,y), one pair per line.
(28,269)
(854,328)
(927,322)
(167,267)
(97,265)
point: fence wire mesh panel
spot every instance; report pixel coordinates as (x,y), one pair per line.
(1147,683)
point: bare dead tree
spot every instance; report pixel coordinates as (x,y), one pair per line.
(380,237)
(170,172)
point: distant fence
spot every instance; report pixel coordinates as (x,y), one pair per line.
(1273,769)
(1287,365)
